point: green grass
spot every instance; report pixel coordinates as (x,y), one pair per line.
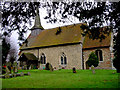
(64,79)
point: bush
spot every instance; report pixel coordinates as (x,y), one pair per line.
(92,60)
(116,64)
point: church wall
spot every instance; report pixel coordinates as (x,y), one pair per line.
(105,64)
(72,52)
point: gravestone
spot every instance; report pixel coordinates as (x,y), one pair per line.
(93,69)
(24,66)
(74,70)
(49,67)
(60,67)
(7,72)
(15,70)
(21,74)
(8,65)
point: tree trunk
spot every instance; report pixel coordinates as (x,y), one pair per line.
(118,70)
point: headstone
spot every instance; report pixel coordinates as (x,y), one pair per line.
(7,75)
(49,67)
(31,66)
(21,74)
(8,66)
(29,73)
(7,70)
(15,70)
(74,70)
(93,69)
(60,67)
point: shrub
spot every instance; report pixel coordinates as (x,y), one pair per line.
(92,60)
(116,64)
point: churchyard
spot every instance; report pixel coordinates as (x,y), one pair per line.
(63,79)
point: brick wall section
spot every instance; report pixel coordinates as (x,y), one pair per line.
(105,64)
(53,55)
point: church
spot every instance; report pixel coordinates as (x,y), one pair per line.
(65,47)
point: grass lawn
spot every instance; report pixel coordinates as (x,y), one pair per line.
(64,79)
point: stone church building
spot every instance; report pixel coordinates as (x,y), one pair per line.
(66,47)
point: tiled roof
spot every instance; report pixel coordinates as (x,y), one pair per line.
(64,35)
(28,56)
(90,43)
(56,36)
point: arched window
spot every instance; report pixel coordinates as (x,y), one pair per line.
(43,59)
(63,59)
(99,54)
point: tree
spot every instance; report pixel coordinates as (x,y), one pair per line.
(5,50)
(116,60)
(16,16)
(92,60)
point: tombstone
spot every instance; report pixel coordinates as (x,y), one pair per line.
(7,75)
(8,67)
(74,70)
(24,66)
(29,73)
(21,74)
(31,66)
(15,70)
(60,67)
(7,72)
(49,67)
(93,69)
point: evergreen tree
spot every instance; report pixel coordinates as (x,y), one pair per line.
(92,60)
(5,50)
(116,61)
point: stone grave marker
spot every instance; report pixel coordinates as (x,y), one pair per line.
(93,69)
(74,70)
(15,70)
(50,67)
(21,74)
(7,72)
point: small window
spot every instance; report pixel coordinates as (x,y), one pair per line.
(99,55)
(63,59)
(43,59)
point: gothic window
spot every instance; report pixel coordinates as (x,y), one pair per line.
(43,59)
(99,54)
(63,59)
